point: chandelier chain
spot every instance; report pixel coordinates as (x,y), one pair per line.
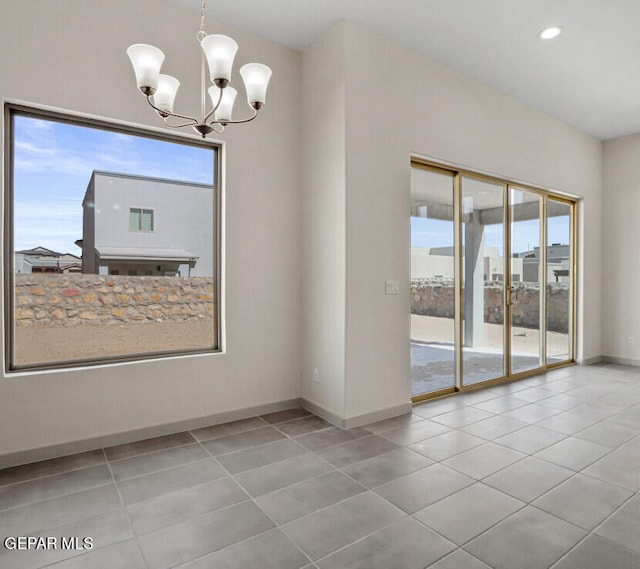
(203,16)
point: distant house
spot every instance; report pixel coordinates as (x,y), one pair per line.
(43,260)
(135,225)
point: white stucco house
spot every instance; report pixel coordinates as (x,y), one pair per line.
(135,225)
(43,260)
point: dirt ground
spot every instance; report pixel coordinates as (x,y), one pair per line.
(55,344)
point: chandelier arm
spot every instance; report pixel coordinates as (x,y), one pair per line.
(215,108)
(183,125)
(239,121)
(166,114)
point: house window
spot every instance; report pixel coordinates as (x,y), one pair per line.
(140,219)
(147,282)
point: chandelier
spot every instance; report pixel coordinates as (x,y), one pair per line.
(219,52)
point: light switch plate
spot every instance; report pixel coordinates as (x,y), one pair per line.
(392,287)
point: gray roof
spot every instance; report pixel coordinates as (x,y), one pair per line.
(145,254)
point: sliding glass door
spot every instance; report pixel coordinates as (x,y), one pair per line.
(483,270)
(492,280)
(432,281)
(527,268)
(560,282)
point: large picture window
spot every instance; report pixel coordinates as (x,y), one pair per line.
(91,276)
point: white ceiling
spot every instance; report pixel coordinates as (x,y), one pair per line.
(588,77)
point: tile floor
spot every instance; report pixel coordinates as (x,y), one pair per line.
(542,473)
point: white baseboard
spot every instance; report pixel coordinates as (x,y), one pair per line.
(74,447)
(593,360)
(359,420)
(621,361)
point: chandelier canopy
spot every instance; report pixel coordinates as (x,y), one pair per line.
(218,51)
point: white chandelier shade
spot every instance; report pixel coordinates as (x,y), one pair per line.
(218,51)
(224,109)
(256,79)
(166,92)
(146,61)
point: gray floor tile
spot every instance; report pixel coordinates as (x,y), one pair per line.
(331,437)
(534,394)
(568,422)
(559,386)
(281,474)
(446,445)
(528,478)
(532,413)
(149,445)
(460,417)
(158,483)
(467,513)
(484,460)
(531,439)
(177,506)
(308,496)
(415,432)
(430,409)
(494,427)
(405,544)
(303,426)
(573,453)
(597,553)
(270,550)
(501,404)
(355,451)
(629,417)
(124,555)
(59,511)
(530,539)
(608,433)
(203,534)
(156,461)
(226,429)
(619,468)
(241,441)
(623,527)
(286,415)
(327,530)
(415,491)
(53,466)
(479,396)
(582,501)
(22,493)
(561,402)
(263,455)
(200,520)
(459,559)
(393,423)
(386,467)
(105,529)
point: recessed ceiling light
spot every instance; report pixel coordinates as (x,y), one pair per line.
(550,33)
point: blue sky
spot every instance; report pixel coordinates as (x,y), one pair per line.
(53,164)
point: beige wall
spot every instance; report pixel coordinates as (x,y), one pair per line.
(323,223)
(333,183)
(621,267)
(399,103)
(71,54)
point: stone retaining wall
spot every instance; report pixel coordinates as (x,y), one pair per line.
(71,300)
(434,297)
